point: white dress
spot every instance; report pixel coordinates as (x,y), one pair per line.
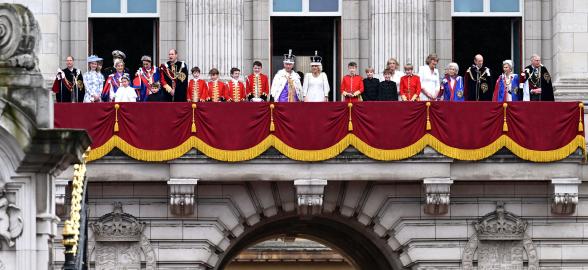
(125,94)
(315,89)
(430,82)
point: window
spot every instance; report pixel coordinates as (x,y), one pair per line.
(479,8)
(123,8)
(305,7)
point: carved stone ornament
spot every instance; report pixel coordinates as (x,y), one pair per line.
(501,225)
(117,227)
(181,196)
(565,195)
(11,223)
(310,193)
(437,194)
(500,242)
(19,34)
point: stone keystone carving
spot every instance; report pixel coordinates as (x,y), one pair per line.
(18,37)
(118,227)
(11,223)
(310,193)
(501,225)
(181,196)
(565,195)
(437,192)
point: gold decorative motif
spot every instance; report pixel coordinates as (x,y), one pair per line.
(181,76)
(116,107)
(580,124)
(460,94)
(71,229)
(272,125)
(80,84)
(547,77)
(193,118)
(484,87)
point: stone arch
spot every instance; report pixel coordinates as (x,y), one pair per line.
(356,242)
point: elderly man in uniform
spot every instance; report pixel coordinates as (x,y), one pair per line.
(116,54)
(478,81)
(147,81)
(174,77)
(537,81)
(286,86)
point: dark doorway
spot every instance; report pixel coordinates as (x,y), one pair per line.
(304,35)
(496,38)
(135,37)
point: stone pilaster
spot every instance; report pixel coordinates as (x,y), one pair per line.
(214,33)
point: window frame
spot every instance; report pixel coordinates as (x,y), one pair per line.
(486,11)
(123,11)
(306,11)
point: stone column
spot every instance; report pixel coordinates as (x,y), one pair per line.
(570,58)
(398,29)
(214,34)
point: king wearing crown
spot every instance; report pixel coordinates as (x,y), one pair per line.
(286,86)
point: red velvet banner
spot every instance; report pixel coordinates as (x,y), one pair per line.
(535,131)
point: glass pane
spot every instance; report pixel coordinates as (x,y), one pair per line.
(105,6)
(324,5)
(504,5)
(287,5)
(469,6)
(142,6)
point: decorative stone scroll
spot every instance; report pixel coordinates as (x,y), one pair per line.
(437,193)
(564,195)
(19,34)
(310,193)
(181,196)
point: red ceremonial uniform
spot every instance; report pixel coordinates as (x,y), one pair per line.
(197,91)
(351,84)
(234,91)
(410,86)
(216,91)
(261,83)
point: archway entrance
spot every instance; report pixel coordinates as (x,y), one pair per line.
(358,245)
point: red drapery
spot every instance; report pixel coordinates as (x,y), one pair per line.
(535,131)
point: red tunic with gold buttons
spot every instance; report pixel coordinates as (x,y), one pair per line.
(197,91)
(234,91)
(261,83)
(410,86)
(351,84)
(216,91)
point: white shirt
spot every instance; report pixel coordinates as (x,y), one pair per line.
(315,89)
(430,82)
(125,94)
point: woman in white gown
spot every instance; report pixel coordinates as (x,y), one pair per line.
(316,84)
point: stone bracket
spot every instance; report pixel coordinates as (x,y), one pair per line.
(310,193)
(181,196)
(564,195)
(437,193)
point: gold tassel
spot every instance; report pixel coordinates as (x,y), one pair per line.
(580,124)
(193,118)
(428,118)
(350,126)
(272,126)
(505,125)
(116,107)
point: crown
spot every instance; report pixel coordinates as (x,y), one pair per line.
(315,60)
(500,225)
(118,227)
(289,58)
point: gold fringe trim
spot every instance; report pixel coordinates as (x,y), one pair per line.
(312,155)
(504,125)
(428,118)
(387,155)
(234,155)
(116,107)
(350,125)
(349,140)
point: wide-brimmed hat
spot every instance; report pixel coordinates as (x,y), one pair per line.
(94,58)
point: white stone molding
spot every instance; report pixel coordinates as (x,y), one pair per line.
(564,195)
(310,194)
(11,222)
(500,241)
(60,190)
(181,196)
(437,195)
